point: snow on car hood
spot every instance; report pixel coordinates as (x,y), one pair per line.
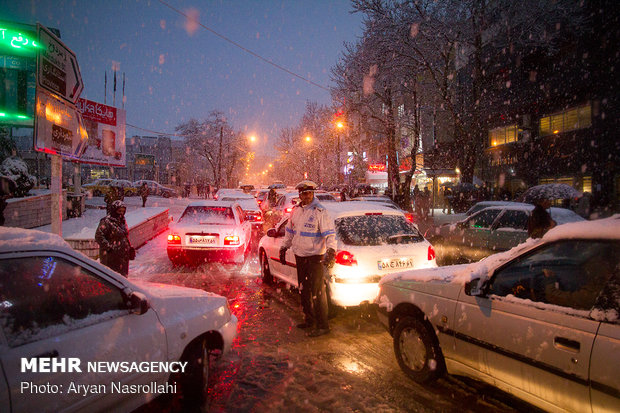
(166,298)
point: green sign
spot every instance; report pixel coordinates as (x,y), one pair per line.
(17,42)
(18,50)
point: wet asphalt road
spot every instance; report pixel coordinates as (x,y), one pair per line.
(274,367)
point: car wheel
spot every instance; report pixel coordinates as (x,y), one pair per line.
(264,268)
(195,382)
(417,350)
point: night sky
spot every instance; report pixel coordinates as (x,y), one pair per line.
(175,71)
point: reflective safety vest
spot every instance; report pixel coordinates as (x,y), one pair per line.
(310,230)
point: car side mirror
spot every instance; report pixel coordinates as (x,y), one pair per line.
(138,303)
(271,232)
(473,288)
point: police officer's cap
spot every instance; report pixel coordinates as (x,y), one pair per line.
(306,186)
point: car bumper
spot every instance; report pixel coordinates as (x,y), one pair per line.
(352,294)
(384,318)
(229,332)
(207,254)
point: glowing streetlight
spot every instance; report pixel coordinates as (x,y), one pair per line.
(339,125)
(308,138)
(271,165)
(252,138)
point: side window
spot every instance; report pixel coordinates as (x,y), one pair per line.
(282,229)
(484,219)
(46,296)
(567,273)
(513,219)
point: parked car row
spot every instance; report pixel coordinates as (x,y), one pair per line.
(101,186)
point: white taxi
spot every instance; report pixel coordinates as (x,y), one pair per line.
(60,309)
(210,231)
(373,240)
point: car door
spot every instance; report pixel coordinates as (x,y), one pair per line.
(58,307)
(471,237)
(286,272)
(604,368)
(508,230)
(530,341)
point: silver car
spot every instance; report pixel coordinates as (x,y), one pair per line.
(491,230)
(540,321)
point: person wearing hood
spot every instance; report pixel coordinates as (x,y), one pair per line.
(311,235)
(112,235)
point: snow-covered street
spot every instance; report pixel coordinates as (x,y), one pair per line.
(274,367)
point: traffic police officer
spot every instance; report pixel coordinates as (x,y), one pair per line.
(310,233)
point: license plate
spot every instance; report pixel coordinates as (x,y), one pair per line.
(395,263)
(202,239)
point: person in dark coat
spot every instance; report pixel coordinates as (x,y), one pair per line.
(540,221)
(144,193)
(112,235)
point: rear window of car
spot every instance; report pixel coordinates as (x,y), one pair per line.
(208,215)
(366,230)
(325,197)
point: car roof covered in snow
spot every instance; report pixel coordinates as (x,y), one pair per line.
(350,208)
(20,239)
(209,203)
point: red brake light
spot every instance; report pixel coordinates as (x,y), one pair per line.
(345,258)
(259,201)
(431,253)
(231,240)
(174,239)
(409,217)
(288,210)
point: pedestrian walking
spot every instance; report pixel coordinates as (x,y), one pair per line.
(144,193)
(540,221)
(112,235)
(447,196)
(310,234)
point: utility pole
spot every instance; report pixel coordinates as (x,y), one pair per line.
(219,157)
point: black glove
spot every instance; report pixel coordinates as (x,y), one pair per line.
(329,258)
(283,255)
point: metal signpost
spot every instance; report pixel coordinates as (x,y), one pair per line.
(59,128)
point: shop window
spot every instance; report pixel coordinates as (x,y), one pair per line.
(568,120)
(505,134)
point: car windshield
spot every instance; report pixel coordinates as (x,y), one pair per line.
(208,215)
(364,230)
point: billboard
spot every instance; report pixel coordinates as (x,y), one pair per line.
(106,133)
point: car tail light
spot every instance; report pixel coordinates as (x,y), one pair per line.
(231,240)
(174,239)
(431,253)
(259,201)
(288,210)
(410,217)
(345,258)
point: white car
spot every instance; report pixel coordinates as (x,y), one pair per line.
(227,191)
(288,200)
(210,231)
(372,241)
(250,208)
(540,321)
(59,307)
